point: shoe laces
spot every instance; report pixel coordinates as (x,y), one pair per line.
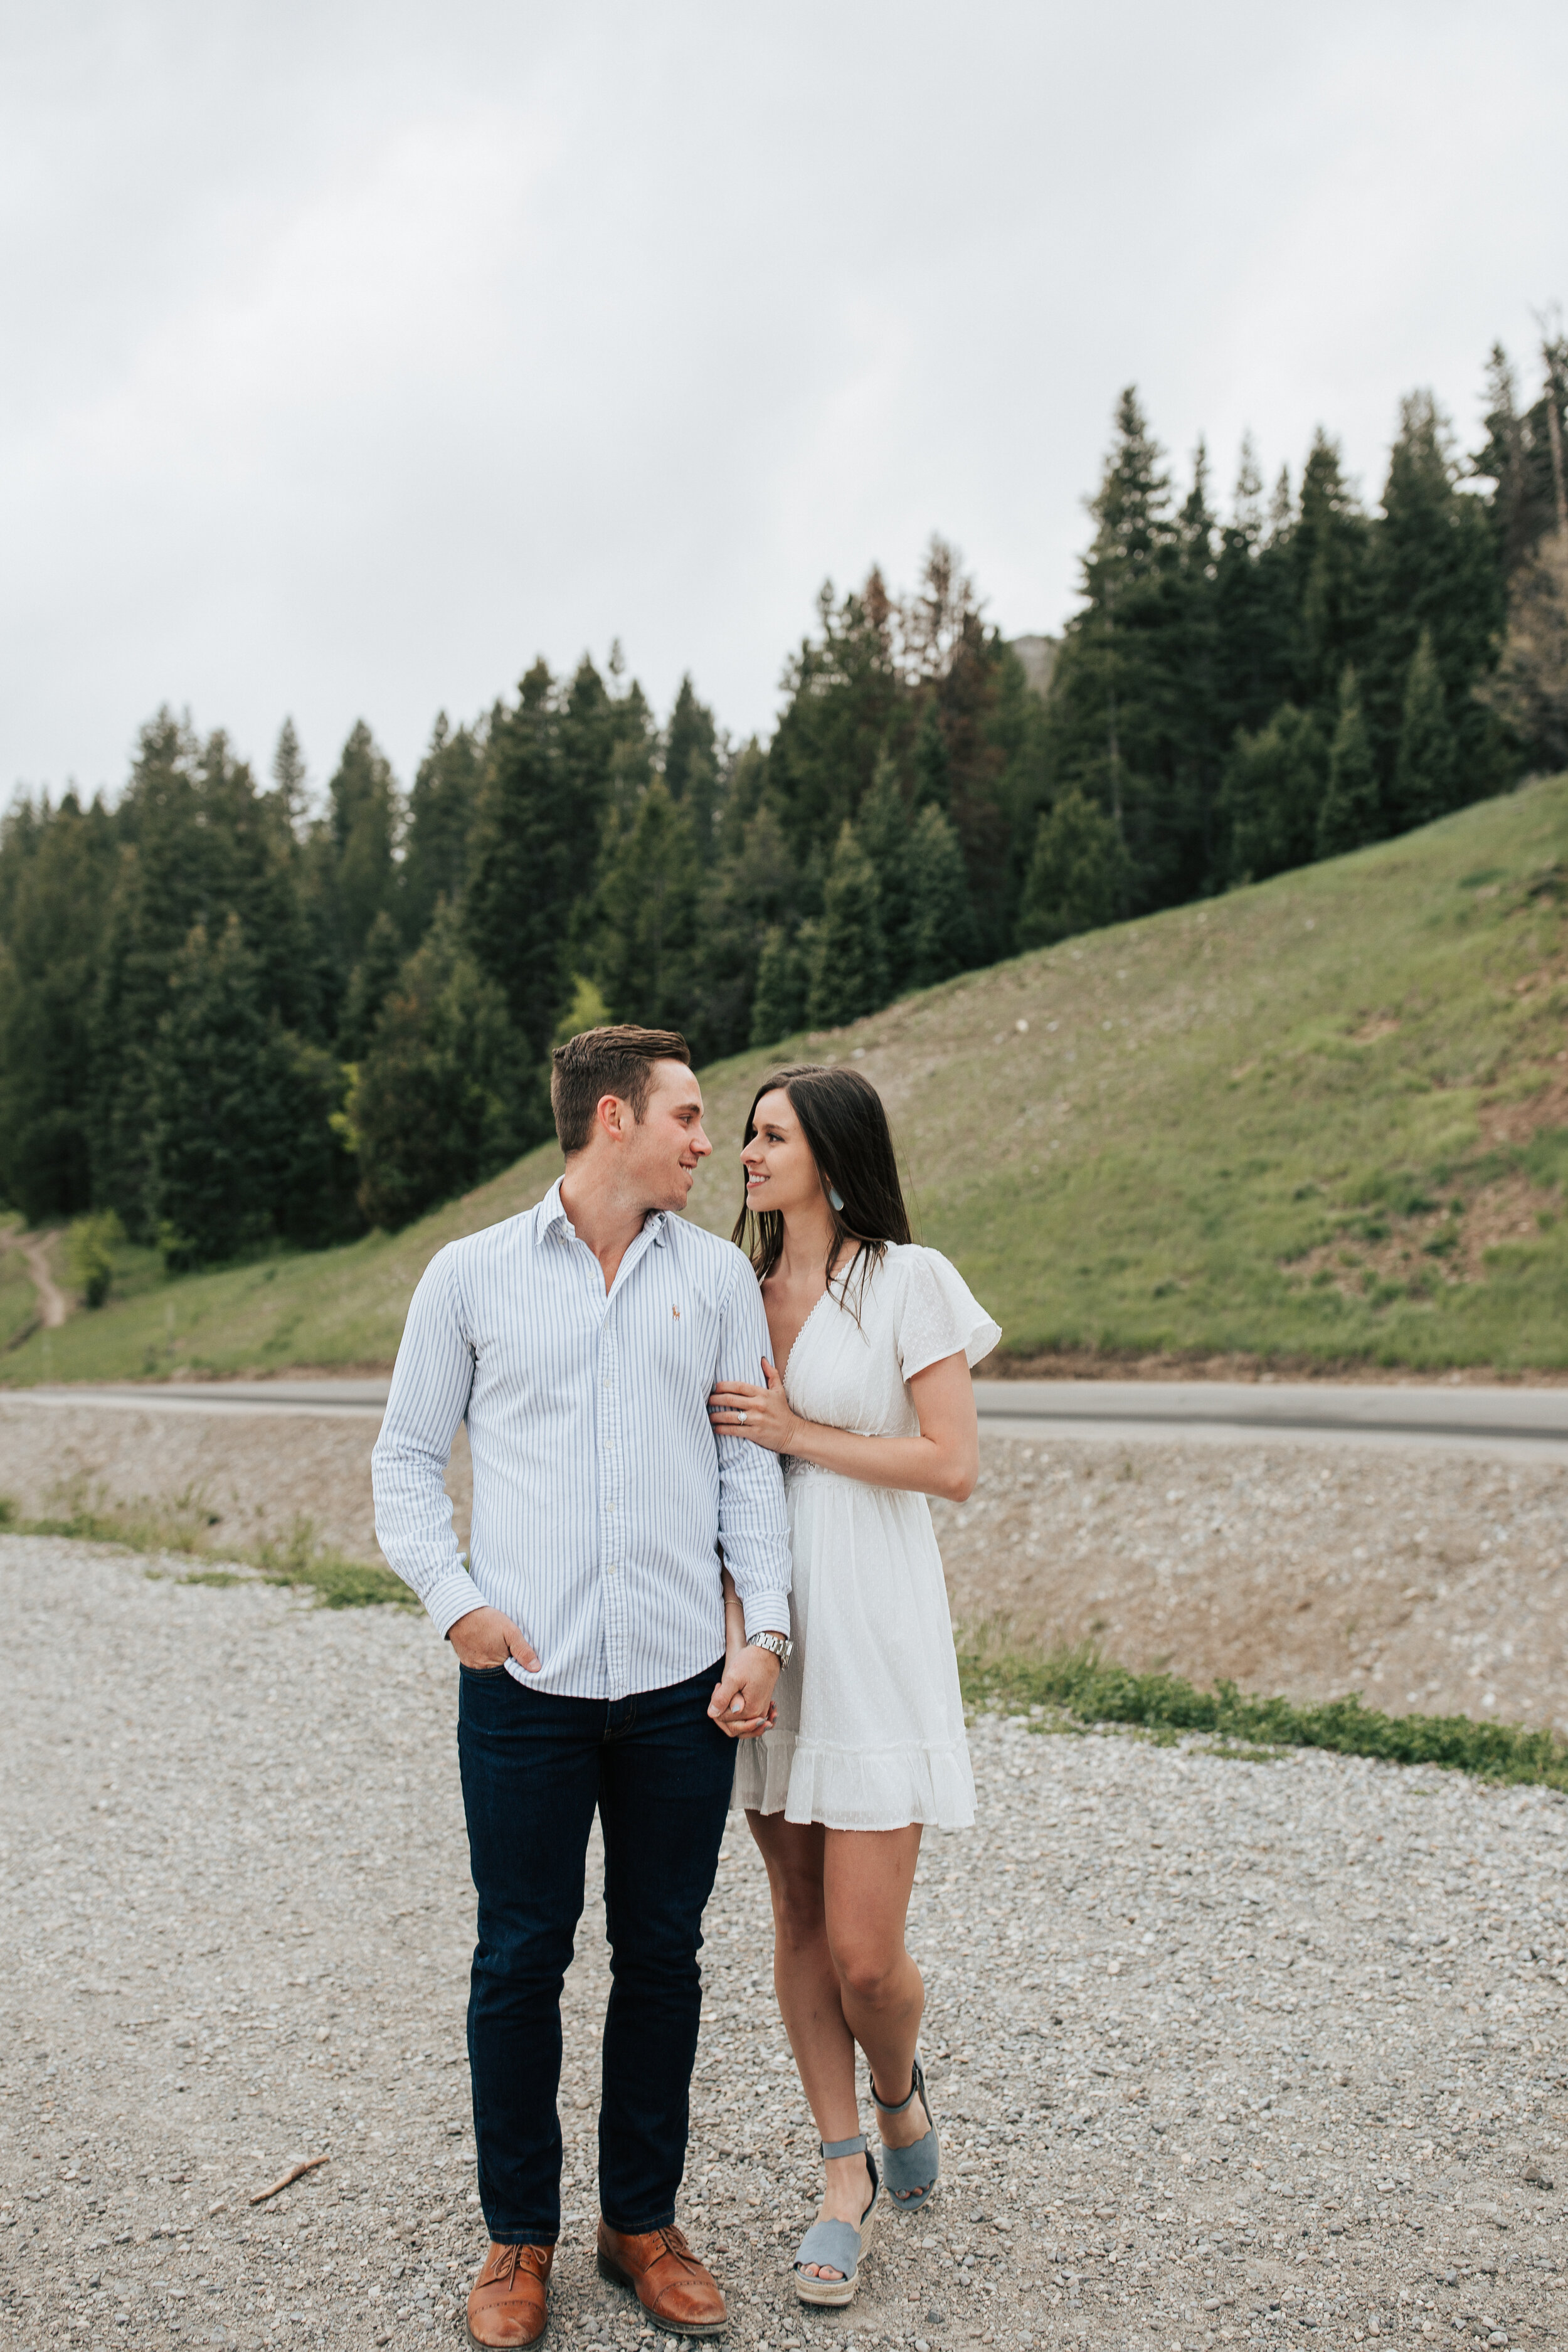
(512,2262)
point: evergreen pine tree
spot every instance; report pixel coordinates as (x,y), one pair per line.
(440,820)
(849,963)
(1434,568)
(692,767)
(197,843)
(363,824)
(1274,785)
(288,778)
(752,890)
(847,702)
(225,1120)
(939,928)
(1253,617)
(933,762)
(445,1097)
(1118,721)
(884,829)
(1423,784)
(369,984)
(56,873)
(526,869)
(1079,876)
(646,929)
(778,998)
(1350,815)
(1330,544)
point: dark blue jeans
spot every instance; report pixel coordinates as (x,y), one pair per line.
(534,1767)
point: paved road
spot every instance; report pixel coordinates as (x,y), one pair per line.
(329,1398)
(1529,1422)
(1532,1422)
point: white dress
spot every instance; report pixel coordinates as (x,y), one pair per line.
(870,1725)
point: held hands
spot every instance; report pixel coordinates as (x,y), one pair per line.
(762,1415)
(487,1638)
(742,1704)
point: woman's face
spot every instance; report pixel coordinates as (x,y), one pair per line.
(782,1174)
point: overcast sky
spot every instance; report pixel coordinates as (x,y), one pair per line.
(357,353)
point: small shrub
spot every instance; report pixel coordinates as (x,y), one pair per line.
(90,1245)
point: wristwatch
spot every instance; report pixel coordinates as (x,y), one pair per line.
(778,1645)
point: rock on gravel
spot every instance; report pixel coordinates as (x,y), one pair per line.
(1222,2047)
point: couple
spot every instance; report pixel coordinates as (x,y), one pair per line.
(644,1480)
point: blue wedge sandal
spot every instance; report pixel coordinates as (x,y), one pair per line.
(839,2244)
(911,2172)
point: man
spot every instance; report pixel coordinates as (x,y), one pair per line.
(580,1341)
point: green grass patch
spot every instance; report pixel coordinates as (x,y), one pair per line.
(1141,1141)
(1087,1689)
(337,1581)
(183,1527)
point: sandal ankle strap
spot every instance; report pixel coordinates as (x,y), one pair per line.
(916,2085)
(844,2147)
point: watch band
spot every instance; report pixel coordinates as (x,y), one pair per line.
(779,1645)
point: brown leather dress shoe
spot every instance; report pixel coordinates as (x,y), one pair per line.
(672,2286)
(507,2304)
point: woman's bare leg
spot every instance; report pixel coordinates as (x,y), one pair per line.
(842,1974)
(866,1878)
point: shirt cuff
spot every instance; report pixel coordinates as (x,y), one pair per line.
(452,1595)
(766,1612)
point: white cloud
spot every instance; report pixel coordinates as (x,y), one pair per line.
(359,354)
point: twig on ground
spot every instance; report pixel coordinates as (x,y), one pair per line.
(295,2172)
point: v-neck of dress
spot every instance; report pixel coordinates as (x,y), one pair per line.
(794,1343)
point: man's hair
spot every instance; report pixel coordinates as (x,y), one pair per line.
(600,1062)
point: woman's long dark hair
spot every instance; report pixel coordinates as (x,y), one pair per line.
(842,1119)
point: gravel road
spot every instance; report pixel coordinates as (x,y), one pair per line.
(1221,2047)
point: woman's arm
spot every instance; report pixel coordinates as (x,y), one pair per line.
(945,1459)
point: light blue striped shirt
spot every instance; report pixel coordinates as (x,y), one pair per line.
(601,1493)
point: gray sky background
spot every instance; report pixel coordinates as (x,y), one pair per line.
(356,353)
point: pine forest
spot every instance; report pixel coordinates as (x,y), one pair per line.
(234,1014)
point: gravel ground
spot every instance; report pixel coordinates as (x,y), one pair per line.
(1220,2047)
(1423,1577)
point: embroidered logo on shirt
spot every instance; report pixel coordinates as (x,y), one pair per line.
(676,1312)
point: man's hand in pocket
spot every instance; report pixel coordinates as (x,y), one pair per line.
(487,1638)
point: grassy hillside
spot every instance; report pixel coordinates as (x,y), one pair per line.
(1325,1117)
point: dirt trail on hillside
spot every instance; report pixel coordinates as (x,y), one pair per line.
(1424,1579)
(53,1305)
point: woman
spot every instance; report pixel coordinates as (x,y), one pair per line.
(872,1408)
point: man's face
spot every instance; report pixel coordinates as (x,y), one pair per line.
(666,1147)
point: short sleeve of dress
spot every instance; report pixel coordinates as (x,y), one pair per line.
(939,1316)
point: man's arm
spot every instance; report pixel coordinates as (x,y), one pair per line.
(431,1383)
(754,1529)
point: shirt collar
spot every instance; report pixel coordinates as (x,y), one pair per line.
(551,1218)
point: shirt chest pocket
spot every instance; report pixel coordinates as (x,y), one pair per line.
(685,1341)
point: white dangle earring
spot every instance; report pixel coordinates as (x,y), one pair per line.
(836,1196)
